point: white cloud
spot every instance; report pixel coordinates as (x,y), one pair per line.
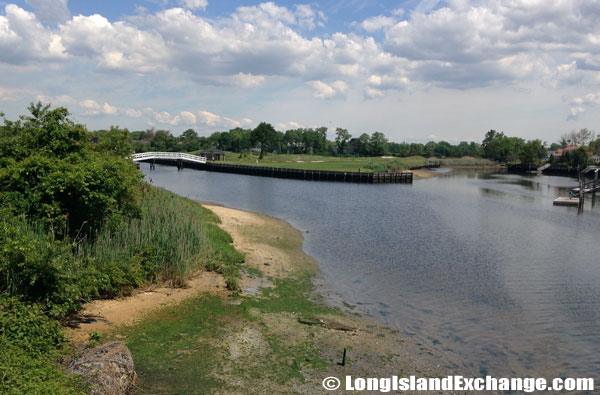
(579,105)
(23,39)
(377,23)
(248,80)
(92,107)
(188,117)
(51,12)
(322,90)
(283,126)
(195,4)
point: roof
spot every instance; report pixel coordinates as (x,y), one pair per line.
(561,151)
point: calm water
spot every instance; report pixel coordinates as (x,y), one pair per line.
(479,266)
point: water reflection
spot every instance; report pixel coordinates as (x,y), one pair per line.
(478,265)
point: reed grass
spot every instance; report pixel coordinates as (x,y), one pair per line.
(173,238)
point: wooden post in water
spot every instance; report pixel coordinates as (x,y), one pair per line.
(581,195)
(594,185)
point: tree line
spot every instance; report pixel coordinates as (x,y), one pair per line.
(265,138)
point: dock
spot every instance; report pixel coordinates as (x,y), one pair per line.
(199,163)
(566,201)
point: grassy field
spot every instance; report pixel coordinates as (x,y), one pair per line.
(332,163)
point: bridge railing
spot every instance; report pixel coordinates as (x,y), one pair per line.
(168,155)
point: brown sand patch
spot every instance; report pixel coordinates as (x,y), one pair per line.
(102,315)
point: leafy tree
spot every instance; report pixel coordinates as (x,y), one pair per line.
(377,144)
(49,171)
(532,152)
(342,137)
(577,158)
(163,141)
(263,134)
(115,140)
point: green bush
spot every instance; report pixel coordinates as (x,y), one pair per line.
(37,268)
(31,347)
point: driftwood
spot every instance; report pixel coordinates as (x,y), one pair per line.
(108,368)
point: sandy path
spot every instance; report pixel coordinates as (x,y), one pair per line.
(102,315)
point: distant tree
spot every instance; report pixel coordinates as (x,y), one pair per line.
(577,158)
(163,141)
(263,134)
(582,137)
(189,140)
(498,147)
(115,140)
(429,149)
(364,145)
(342,137)
(377,144)
(532,152)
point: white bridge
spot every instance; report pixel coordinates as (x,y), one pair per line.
(168,155)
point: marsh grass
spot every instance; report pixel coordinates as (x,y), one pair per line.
(173,238)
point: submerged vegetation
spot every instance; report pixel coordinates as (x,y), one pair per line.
(77,222)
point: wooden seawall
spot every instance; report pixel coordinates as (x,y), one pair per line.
(311,175)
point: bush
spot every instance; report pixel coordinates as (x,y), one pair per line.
(30,343)
(37,268)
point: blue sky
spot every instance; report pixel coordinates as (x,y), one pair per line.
(414,70)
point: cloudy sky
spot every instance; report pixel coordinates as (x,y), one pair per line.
(414,70)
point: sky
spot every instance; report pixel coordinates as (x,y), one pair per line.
(413,70)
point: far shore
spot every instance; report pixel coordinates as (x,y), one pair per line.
(273,250)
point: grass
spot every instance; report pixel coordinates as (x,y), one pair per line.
(183,348)
(173,238)
(331,163)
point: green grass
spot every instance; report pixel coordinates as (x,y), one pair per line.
(183,348)
(331,163)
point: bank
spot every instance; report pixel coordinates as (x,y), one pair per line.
(277,336)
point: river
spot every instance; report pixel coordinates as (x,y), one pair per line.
(479,266)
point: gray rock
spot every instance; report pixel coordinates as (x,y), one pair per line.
(108,368)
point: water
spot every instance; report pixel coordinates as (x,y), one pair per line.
(479,266)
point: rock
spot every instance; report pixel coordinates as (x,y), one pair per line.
(108,368)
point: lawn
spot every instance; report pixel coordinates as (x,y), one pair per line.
(332,163)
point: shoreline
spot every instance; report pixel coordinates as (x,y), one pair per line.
(274,254)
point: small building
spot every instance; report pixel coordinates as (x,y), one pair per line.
(213,154)
(562,151)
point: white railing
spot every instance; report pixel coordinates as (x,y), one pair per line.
(168,155)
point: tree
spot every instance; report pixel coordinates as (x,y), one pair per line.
(364,145)
(577,158)
(163,141)
(377,143)
(116,141)
(263,134)
(532,153)
(51,172)
(342,137)
(582,137)
(498,147)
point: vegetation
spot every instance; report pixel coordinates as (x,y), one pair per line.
(76,223)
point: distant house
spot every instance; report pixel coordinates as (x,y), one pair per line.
(213,154)
(563,151)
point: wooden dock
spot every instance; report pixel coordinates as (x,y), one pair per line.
(297,174)
(566,201)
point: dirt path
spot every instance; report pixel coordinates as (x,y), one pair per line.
(102,315)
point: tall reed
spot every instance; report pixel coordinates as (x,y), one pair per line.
(174,237)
